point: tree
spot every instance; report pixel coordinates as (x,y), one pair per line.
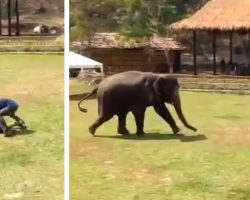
(130,17)
(146,17)
(90,16)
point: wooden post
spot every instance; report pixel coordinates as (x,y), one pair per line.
(9,17)
(249,50)
(170,56)
(17,19)
(231,48)
(0,18)
(214,52)
(194,52)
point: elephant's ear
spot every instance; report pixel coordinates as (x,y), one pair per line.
(165,87)
(157,86)
(172,85)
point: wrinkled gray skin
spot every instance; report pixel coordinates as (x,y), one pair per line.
(135,91)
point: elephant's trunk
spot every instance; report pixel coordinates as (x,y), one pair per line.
(177,106)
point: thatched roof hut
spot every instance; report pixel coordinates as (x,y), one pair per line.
(121,53)
(221,15)
(118,41)
(217,16)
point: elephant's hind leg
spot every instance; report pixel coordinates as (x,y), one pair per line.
(121,129)
(139,114)
(99,122)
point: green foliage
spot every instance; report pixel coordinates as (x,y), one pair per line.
(145,17)
(88,17)
(131,17)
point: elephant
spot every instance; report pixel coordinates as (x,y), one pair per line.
(134,91)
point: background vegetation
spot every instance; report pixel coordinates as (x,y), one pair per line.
(130,17)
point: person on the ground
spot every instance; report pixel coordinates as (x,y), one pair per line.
(8,107)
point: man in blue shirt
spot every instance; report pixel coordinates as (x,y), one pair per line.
(8,107)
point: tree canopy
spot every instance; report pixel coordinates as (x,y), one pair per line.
(130,17)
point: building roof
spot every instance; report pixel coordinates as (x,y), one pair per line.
(118,41)
(223,15)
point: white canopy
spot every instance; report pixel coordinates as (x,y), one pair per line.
(82,62)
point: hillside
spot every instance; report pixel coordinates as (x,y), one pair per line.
(53,15)
(48,4)
(35,12)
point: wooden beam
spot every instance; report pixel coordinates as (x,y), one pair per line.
(194,53)
(214,52)
(0,18)
(231,47)
(17,19)
(9,17)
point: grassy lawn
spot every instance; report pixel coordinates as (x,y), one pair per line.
(213,163)
(31,164)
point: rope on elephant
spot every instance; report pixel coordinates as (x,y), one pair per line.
(90,77)
(242,92)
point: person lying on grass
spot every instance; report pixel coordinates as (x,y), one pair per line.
(8,107)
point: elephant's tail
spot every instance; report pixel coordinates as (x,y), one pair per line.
(86,97)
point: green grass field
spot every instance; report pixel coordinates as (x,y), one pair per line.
(213,163)
(31,164)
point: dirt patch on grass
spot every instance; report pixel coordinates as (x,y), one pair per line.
(233,136)
(153,176)
(79,148)
(34,87)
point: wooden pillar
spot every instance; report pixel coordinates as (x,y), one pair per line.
(9,17)
(214,52)
(249,50)
(17,19)
(194,52)
(231,47)
(170,57)
(0,17)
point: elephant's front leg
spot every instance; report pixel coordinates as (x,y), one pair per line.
(161,109)
(121,129)
(139,114)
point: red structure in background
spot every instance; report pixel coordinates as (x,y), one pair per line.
(10,4)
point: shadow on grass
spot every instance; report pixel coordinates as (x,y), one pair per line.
(27,132)
(157,136)
(229,117)
(239,193)
(78,97)
(21,132)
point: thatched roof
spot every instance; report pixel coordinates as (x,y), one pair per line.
(224,15)
(118,41)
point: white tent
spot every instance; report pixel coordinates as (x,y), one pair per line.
(83,63)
